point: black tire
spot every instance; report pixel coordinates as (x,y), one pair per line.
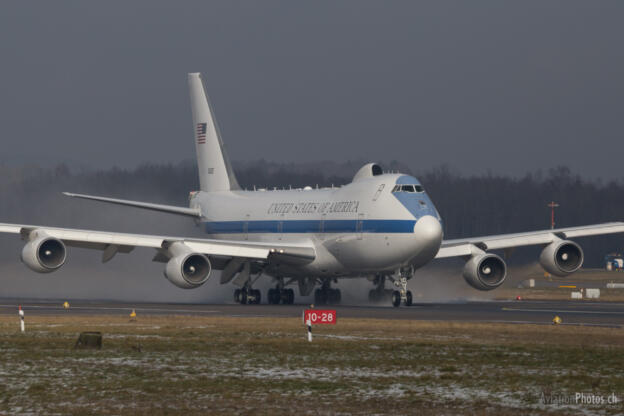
(320,297)
(243,297)
(317,297)
(408,301)
(270,296)
(237,296)
(283,297)
(258,296)
(371,296)
(291,296)
(334,296)
(338,296)
(396,298)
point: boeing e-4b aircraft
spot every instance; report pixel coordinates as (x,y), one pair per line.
(382,226)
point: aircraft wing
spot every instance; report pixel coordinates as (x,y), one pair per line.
(468,246)
(112,243)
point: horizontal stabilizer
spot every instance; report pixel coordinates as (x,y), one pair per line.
(191,212)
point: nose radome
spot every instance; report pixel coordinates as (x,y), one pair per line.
(429,230)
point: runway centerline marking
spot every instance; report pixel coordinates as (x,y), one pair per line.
(563,311)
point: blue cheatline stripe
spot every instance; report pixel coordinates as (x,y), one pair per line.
(310,226)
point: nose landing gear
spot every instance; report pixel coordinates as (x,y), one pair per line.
(397,296)
(402,295)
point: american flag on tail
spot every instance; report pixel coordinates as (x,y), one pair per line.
(201,133)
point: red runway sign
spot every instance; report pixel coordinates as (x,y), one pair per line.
(318,316)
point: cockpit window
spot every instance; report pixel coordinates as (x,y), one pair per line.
(408,188)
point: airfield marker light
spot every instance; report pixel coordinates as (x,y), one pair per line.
(66,305)
(309,324)
(21,315)
(133,315)
(557,320)
(518,297)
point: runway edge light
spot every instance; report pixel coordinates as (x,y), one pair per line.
(557,320)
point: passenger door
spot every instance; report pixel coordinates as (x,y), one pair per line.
(359,227)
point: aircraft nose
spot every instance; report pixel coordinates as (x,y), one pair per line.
(429,230)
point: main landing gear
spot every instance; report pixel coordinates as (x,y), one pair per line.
(280,294)
(326,295)
(247,296)
(283,296)
(380,293)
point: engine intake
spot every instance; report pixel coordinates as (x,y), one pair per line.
(485,271)
(186,269)
(562,257)
(43,254)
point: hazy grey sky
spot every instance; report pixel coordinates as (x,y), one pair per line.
(503,85)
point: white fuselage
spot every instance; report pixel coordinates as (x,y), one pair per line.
(356,229)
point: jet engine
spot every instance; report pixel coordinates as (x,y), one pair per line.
(562,257)
(485,271)
(42,253)
(186,269)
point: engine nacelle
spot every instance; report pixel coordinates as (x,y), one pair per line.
(562,258)
(42,253)
(485,271)
(186,269)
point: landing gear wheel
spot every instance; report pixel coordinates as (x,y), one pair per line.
(257,296)
(334,296)
(287,296)
(243,297)
(237,296)
(408,298)
(320,297)
(273,296)
(396,298)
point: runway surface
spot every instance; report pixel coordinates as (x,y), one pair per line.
(609,314)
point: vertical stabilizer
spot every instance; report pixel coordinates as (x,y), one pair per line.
(215,170)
